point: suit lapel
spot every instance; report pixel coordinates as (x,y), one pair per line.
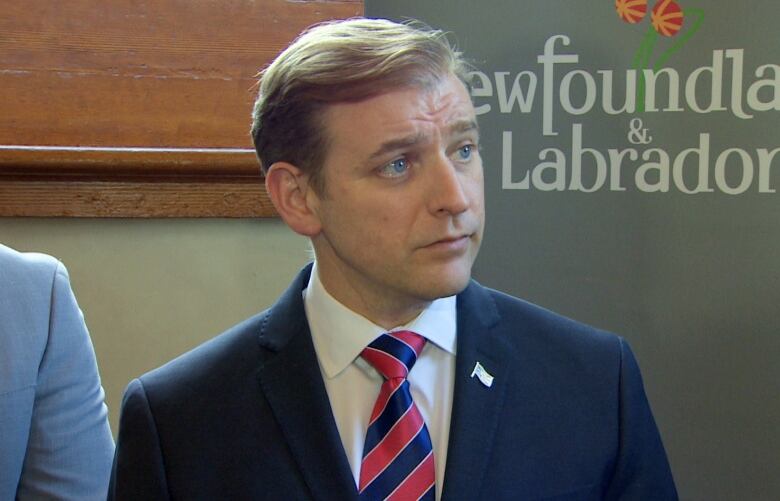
(476,408)
(292,383)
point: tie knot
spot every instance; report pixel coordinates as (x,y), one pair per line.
(393,354)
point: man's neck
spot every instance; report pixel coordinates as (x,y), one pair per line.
(383,309)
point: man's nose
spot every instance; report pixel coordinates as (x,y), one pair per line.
(446,185)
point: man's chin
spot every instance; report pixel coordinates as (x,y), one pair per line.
(448,286)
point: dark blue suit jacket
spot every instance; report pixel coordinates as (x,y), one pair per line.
(246,415)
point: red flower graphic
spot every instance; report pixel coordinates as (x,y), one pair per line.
(631,11)
(667,17)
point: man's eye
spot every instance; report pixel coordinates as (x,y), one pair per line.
(464,152)
(396,168)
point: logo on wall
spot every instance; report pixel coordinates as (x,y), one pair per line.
(667,17)
(649,88)
(666,20)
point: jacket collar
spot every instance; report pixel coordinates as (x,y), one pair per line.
(476,407)
(291,381)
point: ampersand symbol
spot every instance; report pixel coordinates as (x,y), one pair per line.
(636,134)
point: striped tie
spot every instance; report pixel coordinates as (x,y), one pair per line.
(397,455)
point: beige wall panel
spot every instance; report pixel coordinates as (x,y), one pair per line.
(153,289)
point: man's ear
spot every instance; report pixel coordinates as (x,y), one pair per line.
(289,190)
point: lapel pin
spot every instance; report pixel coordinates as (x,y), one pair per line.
(484,376)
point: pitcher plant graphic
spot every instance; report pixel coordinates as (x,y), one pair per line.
(666,20)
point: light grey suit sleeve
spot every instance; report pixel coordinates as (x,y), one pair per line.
(55,420)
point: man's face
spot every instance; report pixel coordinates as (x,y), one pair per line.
(402,214)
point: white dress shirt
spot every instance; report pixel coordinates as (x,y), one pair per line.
(339,335)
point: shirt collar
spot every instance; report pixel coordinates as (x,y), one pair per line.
(339,334)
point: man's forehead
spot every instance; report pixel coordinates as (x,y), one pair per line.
(430,98)
(402,115)
(449,101)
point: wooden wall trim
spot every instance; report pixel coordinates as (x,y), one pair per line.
(153,198)
(131,182)
(119,108)
(109,162)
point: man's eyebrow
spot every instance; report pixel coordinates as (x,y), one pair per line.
(401,143)
(462,126)
(397,144)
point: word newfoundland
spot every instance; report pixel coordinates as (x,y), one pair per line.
(691,169)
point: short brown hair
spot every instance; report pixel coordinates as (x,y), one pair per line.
(340,61)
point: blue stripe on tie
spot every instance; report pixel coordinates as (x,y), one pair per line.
(396,348)
(430,494)
(395,408)
(400,468)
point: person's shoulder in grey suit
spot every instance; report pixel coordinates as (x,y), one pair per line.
(55,441)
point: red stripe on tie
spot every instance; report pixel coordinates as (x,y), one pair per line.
(413,340)
(386,392)
(419,481)
(387,365)
(396,440)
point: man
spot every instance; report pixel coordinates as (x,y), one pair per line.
(55,442)
(384,371)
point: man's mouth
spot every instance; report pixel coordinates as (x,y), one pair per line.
(452,243)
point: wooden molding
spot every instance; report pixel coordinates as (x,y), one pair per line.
(116,108)
(131,182)
(124,161)
(77,198)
